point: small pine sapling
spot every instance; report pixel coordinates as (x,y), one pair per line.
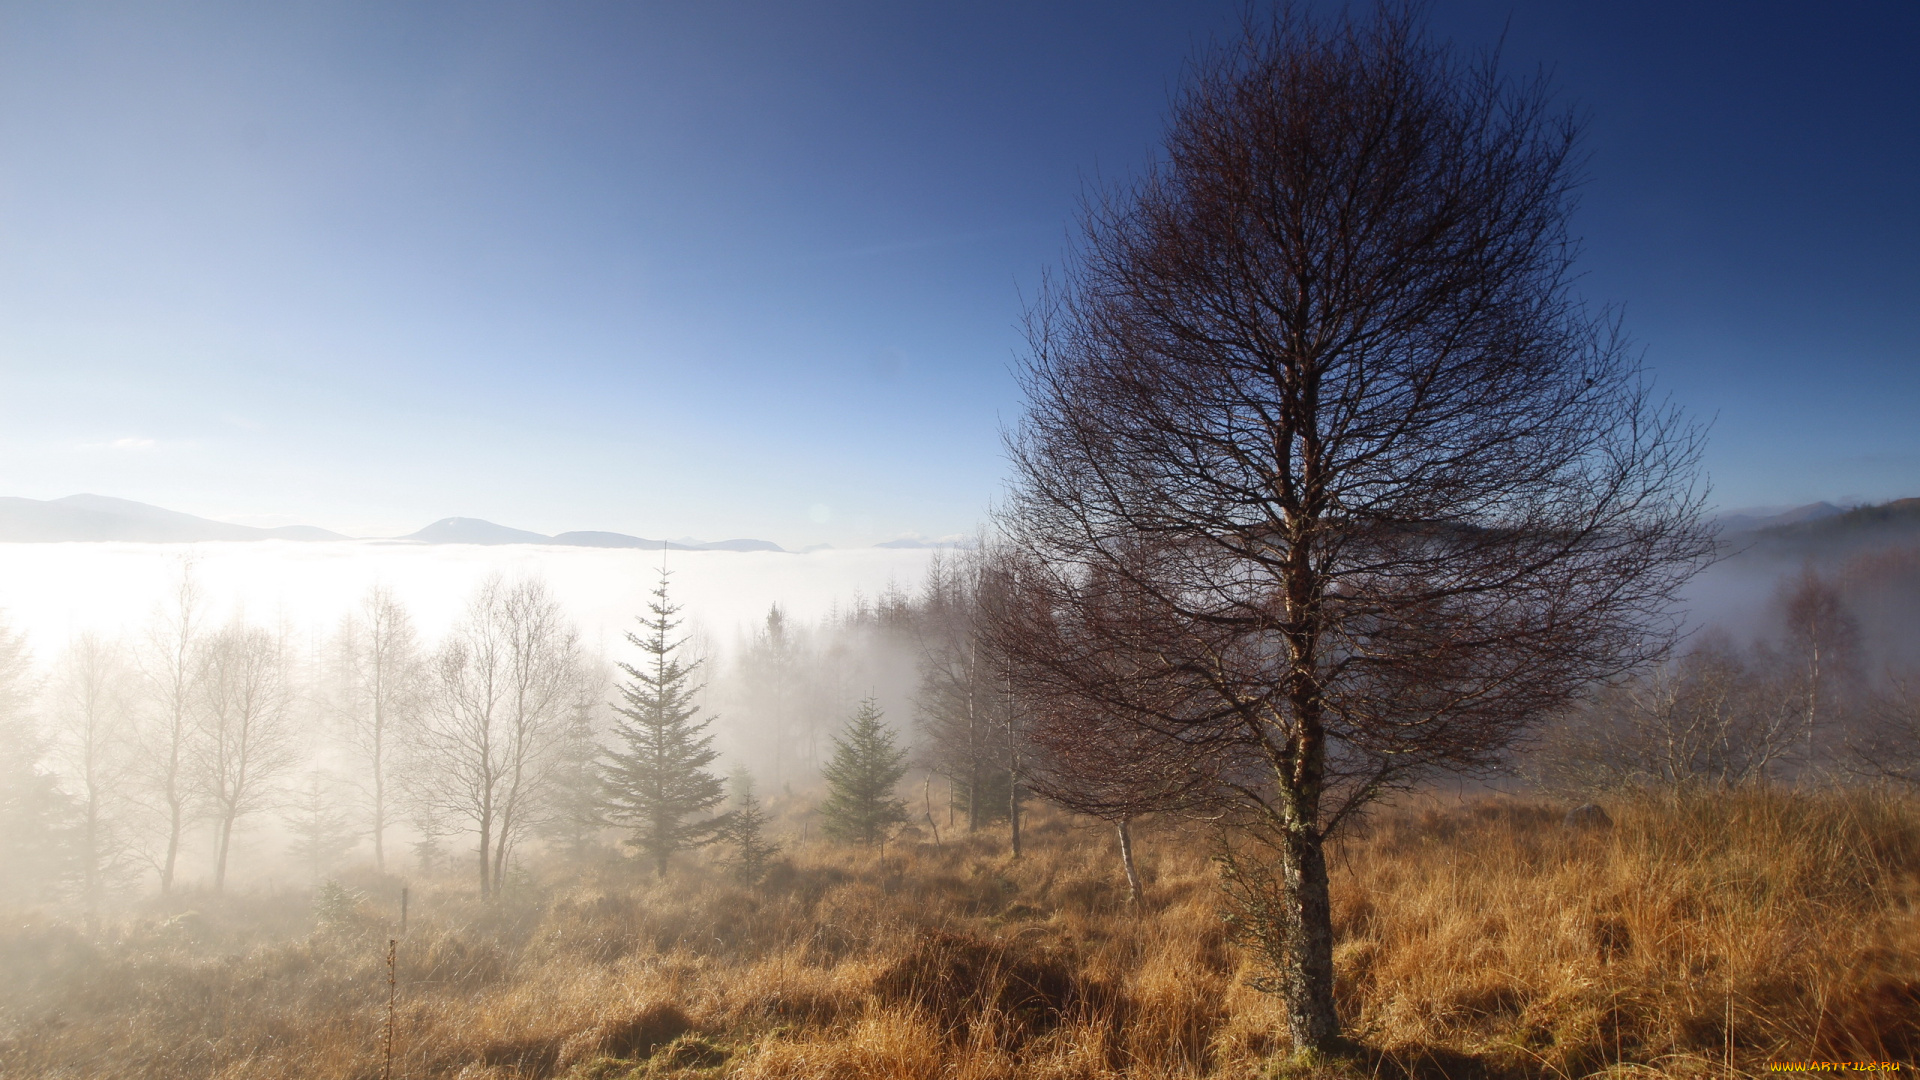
(748,834)
(866,766)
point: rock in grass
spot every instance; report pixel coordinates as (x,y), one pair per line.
(1587,816)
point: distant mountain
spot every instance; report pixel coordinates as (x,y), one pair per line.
(98,517)
(1848,532)
(475,531)
(459,530)
(1739,521)
(615,540)
(741,545)
(911,542)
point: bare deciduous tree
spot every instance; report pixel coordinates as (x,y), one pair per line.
(1887,744)
(169,663)
(1708,718)
(36,817)
(962,700)
(501,690)
(1819,653)
(247,737)
(380,681)
(1327,480)
(89,707)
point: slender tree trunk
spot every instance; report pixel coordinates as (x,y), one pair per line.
(220,855)
(500,849)
(1013,810)
(91,880)
(173,846)
(173,840)
(379,797)
(1013,774)
(175,801)
(973,796)
(1126,861)
(926,795)
(486,849)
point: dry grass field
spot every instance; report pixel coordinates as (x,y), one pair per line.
(1703,938)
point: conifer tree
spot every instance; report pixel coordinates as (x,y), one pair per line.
(748,834)
(656,779)
(866,765)
(576,813)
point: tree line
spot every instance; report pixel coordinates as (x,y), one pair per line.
(151,759)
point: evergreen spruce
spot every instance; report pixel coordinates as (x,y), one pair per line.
(657,778)
(866,765)
(748,834)
(576,819)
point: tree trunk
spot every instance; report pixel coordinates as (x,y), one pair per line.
(379,801)
(486,843)
(91,874)
(1308,978)
(1013,810)
(173,845)
(1126,861)
(500,851)
(220,855)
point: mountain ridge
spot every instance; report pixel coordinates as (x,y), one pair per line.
(88,518)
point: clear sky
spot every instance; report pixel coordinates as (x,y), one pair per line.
(755,269)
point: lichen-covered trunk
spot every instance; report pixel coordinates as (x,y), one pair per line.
(1307,981)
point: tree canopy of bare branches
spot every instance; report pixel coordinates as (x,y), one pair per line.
(170,663)
(503,684)
(247,738)
(90,706)
(380,681)
(1327,480)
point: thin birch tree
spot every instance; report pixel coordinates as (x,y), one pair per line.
(247,735)
(501,689)
(89,708)
(381,673)
(169,664)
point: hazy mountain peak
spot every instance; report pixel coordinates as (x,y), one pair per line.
(88,517)
(1768,517)
(462,530)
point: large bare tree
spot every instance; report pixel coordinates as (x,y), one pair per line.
(1327,479)
(502,688)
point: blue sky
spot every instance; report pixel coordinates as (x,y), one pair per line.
(755,269)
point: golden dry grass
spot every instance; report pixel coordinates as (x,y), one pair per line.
(1701,938)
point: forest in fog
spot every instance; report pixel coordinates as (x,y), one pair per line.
(206,749)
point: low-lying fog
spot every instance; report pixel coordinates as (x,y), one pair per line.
(54,592)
